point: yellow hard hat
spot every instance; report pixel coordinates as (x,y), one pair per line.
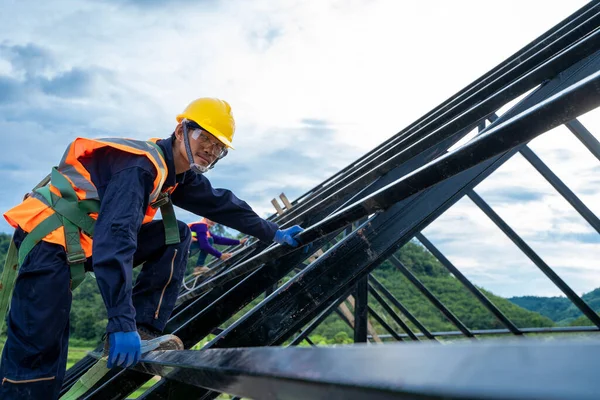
(214,115)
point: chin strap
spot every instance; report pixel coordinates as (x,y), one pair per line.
(199,169)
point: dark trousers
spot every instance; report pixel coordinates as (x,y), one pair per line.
(34,357)
(203,254)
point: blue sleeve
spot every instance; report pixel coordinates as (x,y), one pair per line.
(205,245)
(124,194)
(225,241)
(197,195)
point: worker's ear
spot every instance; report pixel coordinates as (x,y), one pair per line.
(179,132)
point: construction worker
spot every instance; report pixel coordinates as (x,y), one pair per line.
(110,189)
(204,239)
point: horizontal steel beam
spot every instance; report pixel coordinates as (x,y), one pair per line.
(487,332)
(486,370)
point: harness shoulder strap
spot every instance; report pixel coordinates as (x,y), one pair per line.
(167,211)
(9,275)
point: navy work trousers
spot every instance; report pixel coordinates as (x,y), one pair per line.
(35,354)
(203,253)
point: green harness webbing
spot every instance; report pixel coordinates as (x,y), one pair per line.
(87,380)
(166,210)
(72,214)
(9,274)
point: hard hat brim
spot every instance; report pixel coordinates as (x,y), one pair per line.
(213,131)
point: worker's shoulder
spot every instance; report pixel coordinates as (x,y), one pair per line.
(117,160)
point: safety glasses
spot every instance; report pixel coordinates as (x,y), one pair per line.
(209,144)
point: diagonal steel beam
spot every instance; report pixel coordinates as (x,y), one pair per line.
(430,296)
(561,188)
(537,260)
(391,313)
(384,324)
(467,283)
(585,137)
(379,286)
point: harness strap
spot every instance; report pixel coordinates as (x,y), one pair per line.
(9,275)
(167,211)
(68,210)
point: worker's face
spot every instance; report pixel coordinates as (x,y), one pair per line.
(206,149)
(210,223)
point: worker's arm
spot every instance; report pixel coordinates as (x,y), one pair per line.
(124,183)
(202,237)
(197,195)
(225,241)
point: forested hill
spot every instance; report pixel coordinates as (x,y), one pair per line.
(558,309)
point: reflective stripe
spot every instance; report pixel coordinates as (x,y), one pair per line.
(156,313)
(50,378)
(144,146)
(79,181)
(80,178)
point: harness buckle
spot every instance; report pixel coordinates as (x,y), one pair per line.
(77,257)
(160,201)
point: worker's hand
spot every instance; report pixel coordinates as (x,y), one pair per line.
(287,235)
(125,349)
(243,240)
(226,256)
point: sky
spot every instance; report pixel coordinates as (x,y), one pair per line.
(313,85)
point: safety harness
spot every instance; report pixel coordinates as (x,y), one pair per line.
(72,214)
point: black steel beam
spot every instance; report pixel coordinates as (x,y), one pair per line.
(537,260)
(317,321)
(361,316)
(234,299)
(495,332)
(384,324)
(430,296)
(344,318)
(472,288)
(561,188)
(392,313)
(585,137)
(484,370)
(211,311)
(379,286)
(414,163)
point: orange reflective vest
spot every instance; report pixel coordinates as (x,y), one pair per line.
(36,208)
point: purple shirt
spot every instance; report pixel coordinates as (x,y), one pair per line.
(201,231)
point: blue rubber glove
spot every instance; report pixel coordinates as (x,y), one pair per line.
(125,349)
(287,235)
